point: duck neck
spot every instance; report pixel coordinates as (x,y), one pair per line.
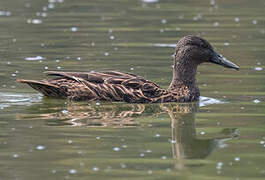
(184,72)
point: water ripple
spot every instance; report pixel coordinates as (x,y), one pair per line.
(18,99)
(205,101)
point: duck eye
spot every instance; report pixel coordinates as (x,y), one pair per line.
(203,45)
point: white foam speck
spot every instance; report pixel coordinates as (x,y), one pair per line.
(40,147)
(256,101)
(36,58)
(72,171)
(5,13)
(74,29)
(150,1)
(258,68)
(202,133)
(205,101)
(34,21)
(95,168)
(116,149)
(237,158)
(163,157)
(163,45)
(236,19)
(15,155)
(163,21)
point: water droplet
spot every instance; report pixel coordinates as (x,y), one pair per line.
(261,142)
(148,151)
(79,58)
(124,146)
(173,141)
(44,14)
(132,69)
(219,165)
(202,133)
(15,155)
(70,141)
(256,101)
(97,103)
(44,8)
(5,13)
(254,22)
(106,54)
(258,68)
(237,158)
(51,6)
(34,21)
(150,1)
(149,171)
(40,147)
(142,154)
(123,165)
(226,43)
(46,67)
(116,149)
(236,19)
(53,171)
(34,58)
(216,24)
(98,137)
(163,21)
(64,111)
(112,37)
(59,67)
(163,157)
(95,168)
(72,171)
(74,29)
(157,135)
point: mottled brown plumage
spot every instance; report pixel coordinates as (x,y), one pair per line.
(117,86)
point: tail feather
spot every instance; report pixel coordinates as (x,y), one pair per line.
(44,87)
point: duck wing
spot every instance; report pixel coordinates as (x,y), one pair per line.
(108,86)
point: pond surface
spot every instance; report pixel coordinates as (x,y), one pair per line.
(220,137)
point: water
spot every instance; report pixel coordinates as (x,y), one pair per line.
(221,137)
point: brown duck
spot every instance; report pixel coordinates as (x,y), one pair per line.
(117,86)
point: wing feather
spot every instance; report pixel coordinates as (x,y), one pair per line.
(113,85)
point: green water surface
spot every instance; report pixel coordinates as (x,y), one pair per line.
(220,137)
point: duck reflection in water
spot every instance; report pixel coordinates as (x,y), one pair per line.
(184,141)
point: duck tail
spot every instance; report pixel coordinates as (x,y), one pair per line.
(44,87)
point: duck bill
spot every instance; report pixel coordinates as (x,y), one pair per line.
(221,60)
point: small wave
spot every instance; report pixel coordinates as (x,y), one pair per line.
(18,99)
(163,45)
(205,101)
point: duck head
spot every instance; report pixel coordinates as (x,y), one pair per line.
(190,52)
(195,50)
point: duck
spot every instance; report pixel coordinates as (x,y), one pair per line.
(190,52)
